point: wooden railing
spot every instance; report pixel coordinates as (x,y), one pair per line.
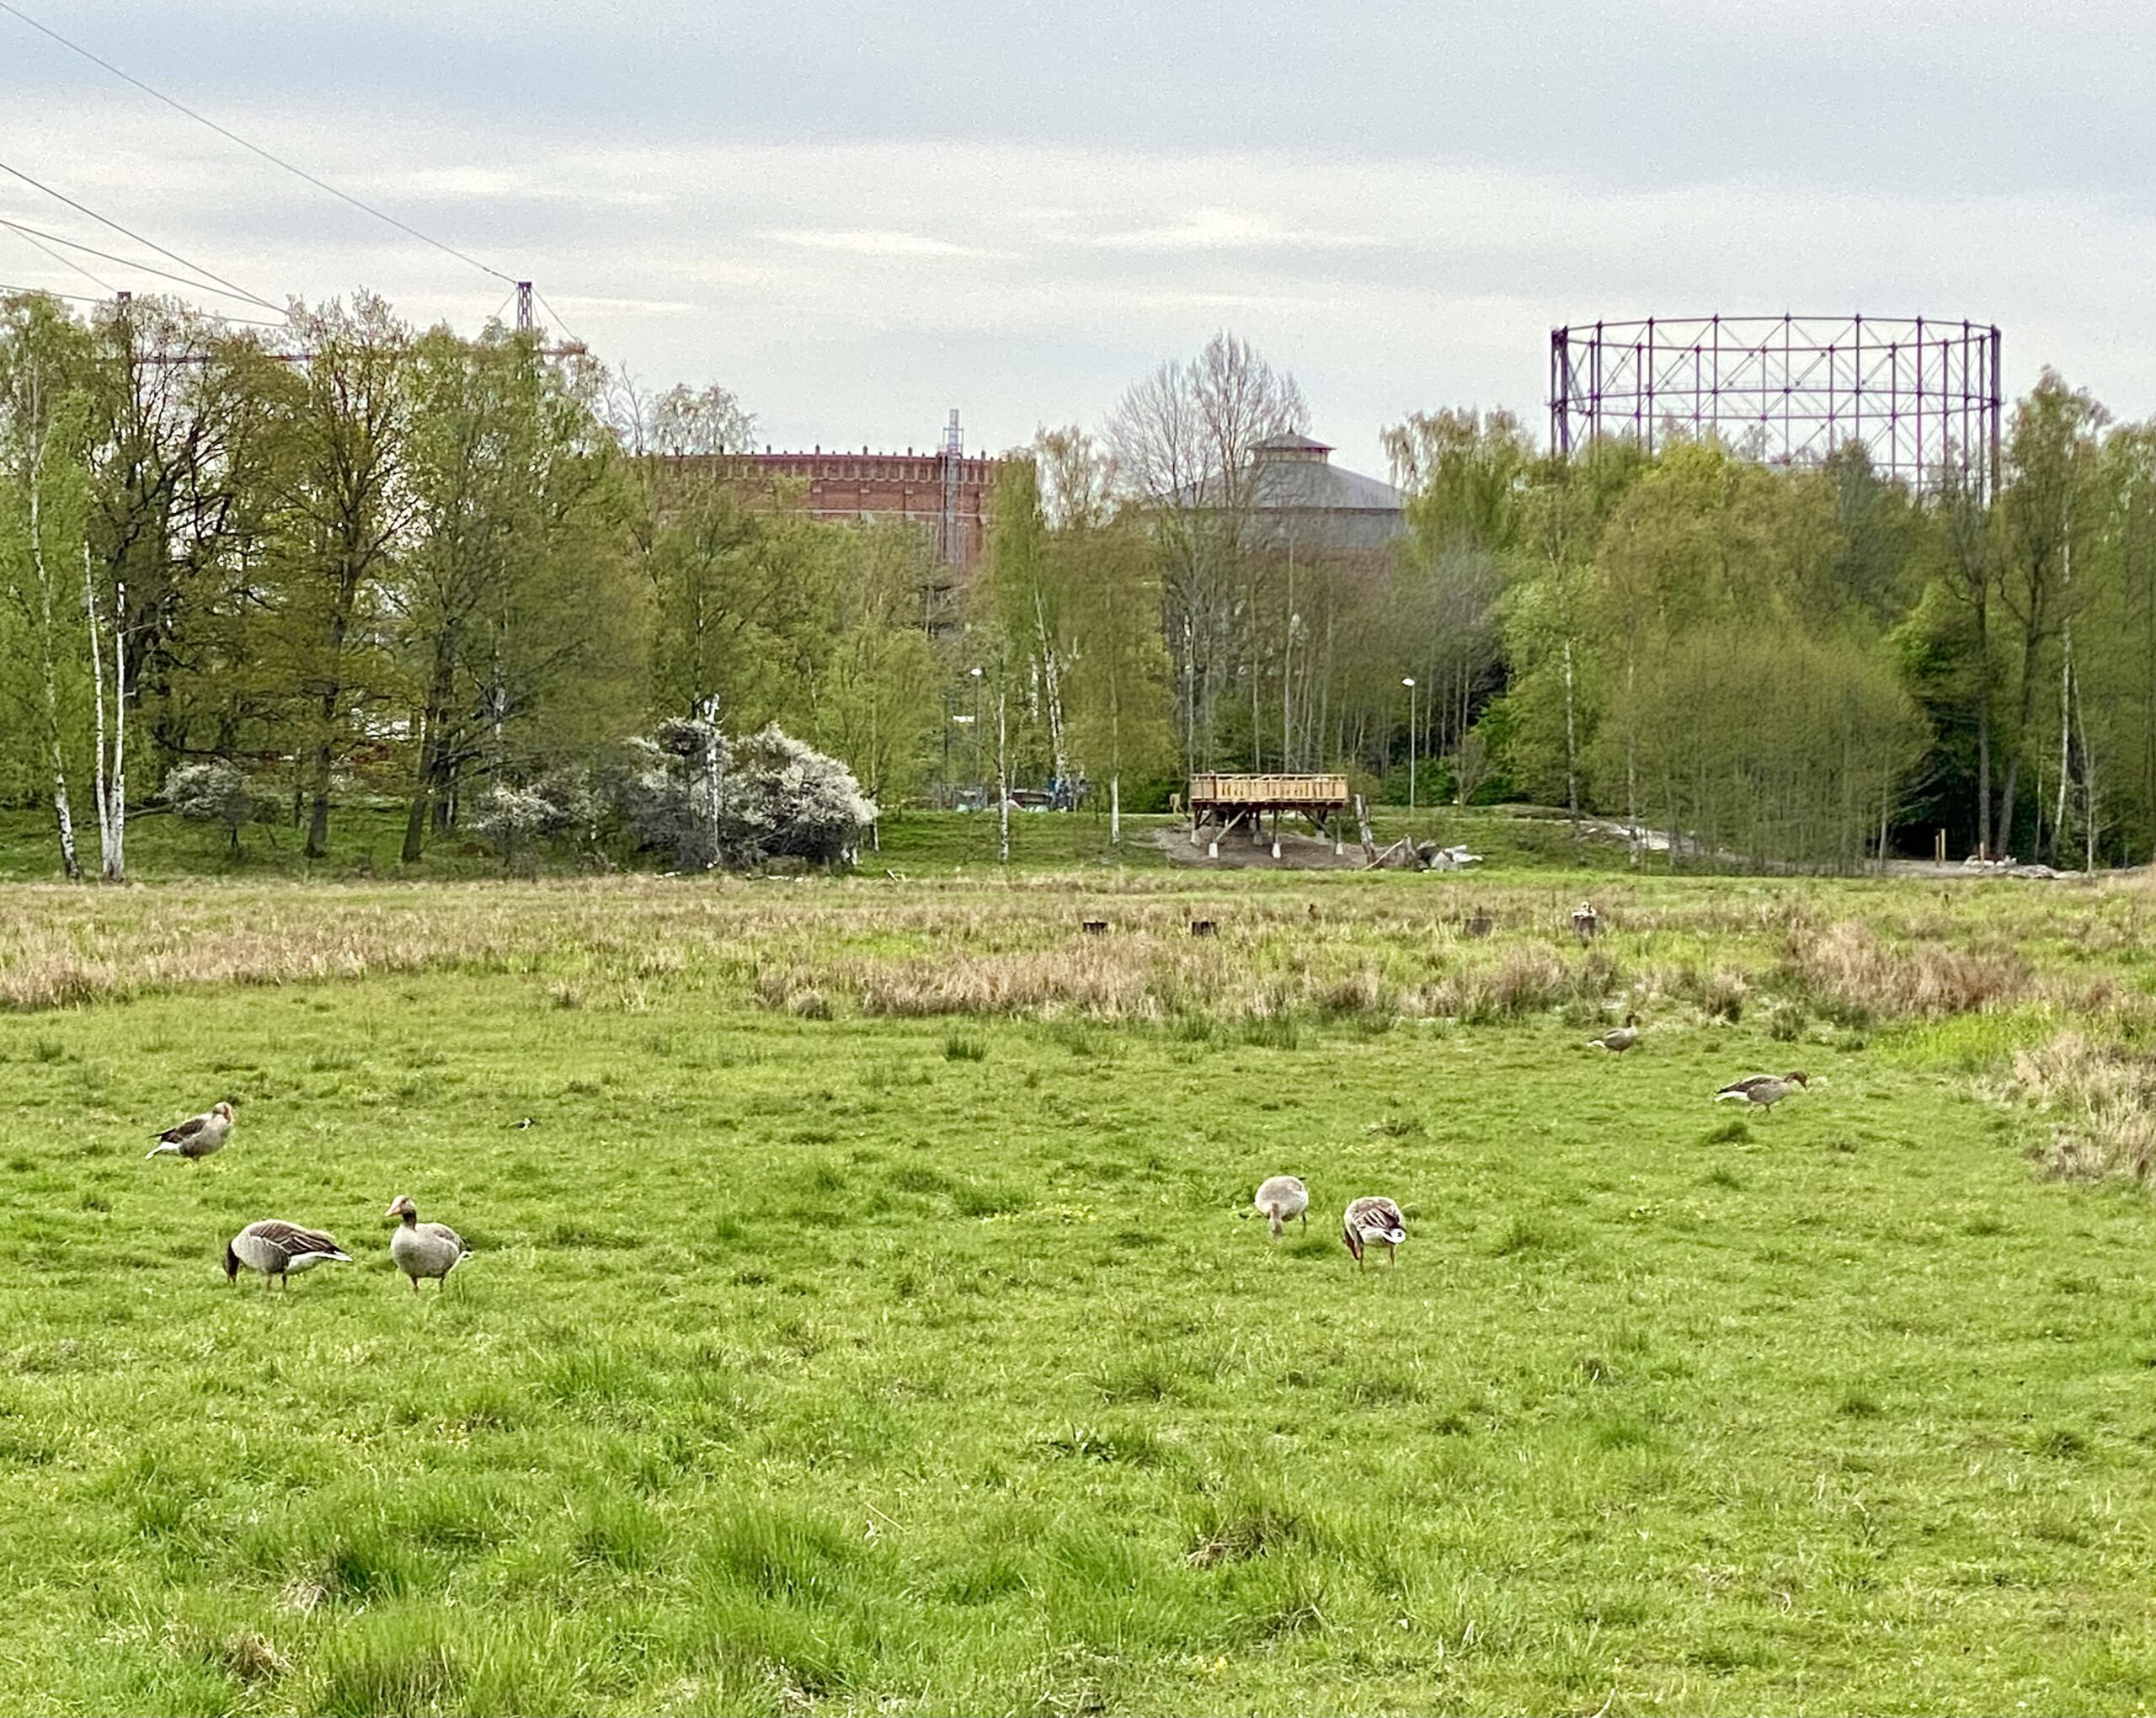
(1300,790)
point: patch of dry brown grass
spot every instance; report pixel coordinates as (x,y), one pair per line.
(1388,946)
(2099,1100)
(1849,967)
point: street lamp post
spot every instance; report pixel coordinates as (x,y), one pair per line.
(960,720)
(980,786)
(1409,682)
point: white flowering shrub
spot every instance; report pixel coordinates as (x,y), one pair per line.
(690,793)
(662,792)
(218,791)
(787,800)
(554,806)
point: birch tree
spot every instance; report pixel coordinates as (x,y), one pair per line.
(2046,510)
(44,510)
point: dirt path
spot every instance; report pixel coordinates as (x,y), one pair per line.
(1238,852)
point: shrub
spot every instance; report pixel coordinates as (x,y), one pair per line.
(556,805)
(689,790)
(217,791)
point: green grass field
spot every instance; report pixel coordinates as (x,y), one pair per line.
(873,1319)
(365,840)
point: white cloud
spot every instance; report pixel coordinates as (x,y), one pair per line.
(853,292)
(868,244)
(1219,230)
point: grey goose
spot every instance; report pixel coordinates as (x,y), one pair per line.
(1283,1199)
(1374,1221)
(280,1250)
(197,1137)
(1763,1090)
(423,1249)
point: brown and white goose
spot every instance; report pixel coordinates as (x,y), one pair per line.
(197,1136)
(423,1249)
(1283,1199)
(280,1250)
(1374,1221)
(1763,1090)
(1618,1038)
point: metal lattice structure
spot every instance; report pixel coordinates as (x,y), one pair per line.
(1923,397)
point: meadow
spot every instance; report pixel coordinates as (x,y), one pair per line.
(872,1317)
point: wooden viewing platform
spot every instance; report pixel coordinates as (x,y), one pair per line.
(1230,801)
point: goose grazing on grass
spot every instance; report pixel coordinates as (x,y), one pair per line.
(1764,1090)
(281,1251)
(1618,1038)
(423,1249)
(1374,1221)
(1283,1198)
(197,1136)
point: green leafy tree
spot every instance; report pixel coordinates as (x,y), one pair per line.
(518,626)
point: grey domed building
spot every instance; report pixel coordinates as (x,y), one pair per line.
(1301,500)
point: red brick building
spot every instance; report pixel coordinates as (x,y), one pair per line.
(943,490)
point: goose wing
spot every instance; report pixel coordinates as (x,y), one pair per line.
(444,1234)
(192,1129)
(1374,1215)
(1746,1087)
(294,1241)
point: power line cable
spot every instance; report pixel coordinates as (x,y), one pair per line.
(34,234)
(111,290)
(106,220)
(256,148)
(47,292)
(557,316)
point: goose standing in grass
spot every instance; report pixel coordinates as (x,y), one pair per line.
(1374,1221)
(1763,1090)
(423,1249)
(1283,1198)
(280,1250)
(197,1136)
(1618,1038)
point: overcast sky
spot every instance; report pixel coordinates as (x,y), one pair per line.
(858,215)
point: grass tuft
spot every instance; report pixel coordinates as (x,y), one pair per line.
(2100,1100)
(1525,1234)
(400,1660)
(1858,974)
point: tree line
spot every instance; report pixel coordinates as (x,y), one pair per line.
(264,579)
(1813,664)
(362,560)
